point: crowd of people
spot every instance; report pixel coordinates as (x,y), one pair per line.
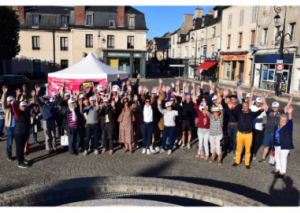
(163,115)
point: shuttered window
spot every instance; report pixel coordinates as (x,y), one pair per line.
(254,13)
(241,16)
(229,19)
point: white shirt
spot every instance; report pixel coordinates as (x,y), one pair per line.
(106,119)
(258,125)
(169,116)
(148,114)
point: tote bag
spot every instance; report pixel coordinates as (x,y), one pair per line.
(64,140)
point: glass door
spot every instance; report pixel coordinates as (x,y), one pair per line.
(285,77)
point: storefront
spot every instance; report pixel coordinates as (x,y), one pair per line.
(131,62)
(208,70)
(192,72)
(265,71)
(233,66)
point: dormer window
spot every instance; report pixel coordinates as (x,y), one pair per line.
(112,24)
(202,24)
(89,19)
(131,21)
(64,21)
(179,39)
(35,20)
(194,24)
(187,37)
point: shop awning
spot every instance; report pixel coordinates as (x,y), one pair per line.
(206,65)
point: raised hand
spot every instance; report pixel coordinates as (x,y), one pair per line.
(123,84)
(118,75)
(64,83)
(263,94)
(225,92)
(160,81)
(32,93)
(177,82)
(240,92)
(4,89)
(193,84)
(18,92)
(37,88)
(253,88)
(290,110)
(158,101)
(210,83)
(58,90)
(135,98)
(219,100)
(269,93)
(184,84)
(163,88)
(202,83)
(292,96)
(172,85)
(232,90)
(71,87)
(138,76)
(24,87)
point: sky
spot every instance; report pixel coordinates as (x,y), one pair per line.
(163,19)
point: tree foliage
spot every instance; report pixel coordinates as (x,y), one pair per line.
(9,33)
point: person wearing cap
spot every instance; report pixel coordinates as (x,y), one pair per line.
(21,130)
(34,117)
(71,122)
(57,114)
(9,121)
(48,118)
(82,103)
(169,125)
(92,122)
(273,116)
(245,125)
(283,142)
(107,123)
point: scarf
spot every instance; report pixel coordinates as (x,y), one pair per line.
(74,117)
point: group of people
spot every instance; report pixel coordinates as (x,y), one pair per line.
(166,114)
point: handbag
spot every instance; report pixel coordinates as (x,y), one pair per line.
(272,158)
(64,140)
(26,147)
(224,141)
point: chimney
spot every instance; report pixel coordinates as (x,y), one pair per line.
(21,12)
(211,12)
(79,14)
(198,12)
(121,16)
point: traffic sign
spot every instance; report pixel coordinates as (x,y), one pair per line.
(253,48)
(279,67)
(279,61)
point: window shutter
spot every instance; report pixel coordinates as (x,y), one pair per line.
(229,20)
(218,43)
(242,16)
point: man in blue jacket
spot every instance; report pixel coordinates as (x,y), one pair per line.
(48,118)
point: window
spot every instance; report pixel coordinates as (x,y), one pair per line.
(112,23)
(240,40)
(64,64)
(226,73)
(193,52)
(214,32)
(254,13)
(178,52)
(187,38)
(173,53)
(110,41)
(35,42)
(130,42)
(63,43)
(194,24)
(35,20)
(212,50)
(276,31)
(186,53)
(292,31)
(131,21)
(179,39)
(203,20)
(63,21)
(252,37)
(173,39)
(229,19)
(89,19)
(202,35)
(266,10)
(241,16)
(265,35)
(228,41)
(216,14)
(88,40)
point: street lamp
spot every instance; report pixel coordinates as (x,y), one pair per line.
(282,36)
(192,39)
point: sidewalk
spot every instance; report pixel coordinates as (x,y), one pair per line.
(283,98)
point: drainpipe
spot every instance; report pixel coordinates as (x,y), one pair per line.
(53,36)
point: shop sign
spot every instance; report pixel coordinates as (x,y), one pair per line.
(204,51)
(137,55)
(288,58)
(234,57)
(119,54)
(253,48)
(211,59)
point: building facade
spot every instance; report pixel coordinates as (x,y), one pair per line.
(268,43)
(54,38)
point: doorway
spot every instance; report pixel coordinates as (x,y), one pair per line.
(241,71)
(135,67)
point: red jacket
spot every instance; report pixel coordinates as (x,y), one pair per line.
(203,121)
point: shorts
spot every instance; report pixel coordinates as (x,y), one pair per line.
(187,125)
(268,140)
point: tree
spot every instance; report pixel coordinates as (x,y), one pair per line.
(9,33)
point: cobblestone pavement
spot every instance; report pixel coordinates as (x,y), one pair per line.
(257,183)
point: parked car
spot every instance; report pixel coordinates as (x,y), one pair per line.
(13,81)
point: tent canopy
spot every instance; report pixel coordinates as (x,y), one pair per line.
(90,68)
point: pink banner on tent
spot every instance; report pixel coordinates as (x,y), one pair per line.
(76,83)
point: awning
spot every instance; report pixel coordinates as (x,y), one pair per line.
(206,65)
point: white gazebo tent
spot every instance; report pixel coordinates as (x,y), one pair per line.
(88,69)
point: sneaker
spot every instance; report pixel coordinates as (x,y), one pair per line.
(274,172)
(180,142)
(23,166)
(169,152)
(9,158)
(254,157)
(262,160)
(247,167)
(103,150)
(176,141)
(25,162)
(243,158)
(148,152)
(110,152)
(280,176)
(234,156)
(182,146)
(188,146)
(85,152)
(162,151)
(96,152)
(235,164)
(137,146)
(144,151)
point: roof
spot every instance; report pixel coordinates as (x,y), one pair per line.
(48,9)
(162,43)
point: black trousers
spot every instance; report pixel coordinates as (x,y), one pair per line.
(20,140)
(107,131)
(256,141)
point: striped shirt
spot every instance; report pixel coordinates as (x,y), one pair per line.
(1,111)
(71,122)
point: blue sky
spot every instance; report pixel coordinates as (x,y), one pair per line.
(162,19)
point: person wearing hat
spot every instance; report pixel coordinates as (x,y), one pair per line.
(107,123)
(34,117)
(57,113)
(9,121)
(92,122)
(21,130)
(71,122)
(245,125)
(169,125)
(48,118)
(273,116)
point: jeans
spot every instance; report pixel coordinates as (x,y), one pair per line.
(147,130)
(1,127)
(73,136)
(10,136)
(33,133)
(203,140)
(232,131)
(89,130)
(20,140)
(49,131)
(170,133)
(257,138)
(107,131)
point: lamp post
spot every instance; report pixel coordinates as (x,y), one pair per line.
(192,39)
(282,36)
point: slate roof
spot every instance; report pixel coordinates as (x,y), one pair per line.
(162,43)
